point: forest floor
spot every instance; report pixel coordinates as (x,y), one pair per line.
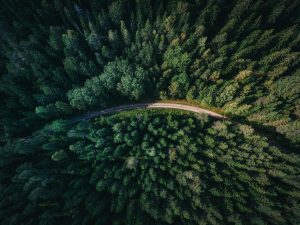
(157,105)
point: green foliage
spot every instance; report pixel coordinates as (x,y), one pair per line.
(99,169)
(231,56)
(59,58)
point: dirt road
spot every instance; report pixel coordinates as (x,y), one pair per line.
(158,105)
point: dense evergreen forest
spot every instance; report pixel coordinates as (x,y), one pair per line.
(60,58)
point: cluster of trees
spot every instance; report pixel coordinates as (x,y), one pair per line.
(62,56)
(148,168)
(119,81)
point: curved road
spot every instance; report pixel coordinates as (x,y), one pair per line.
(158,105)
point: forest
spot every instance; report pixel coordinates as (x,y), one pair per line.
(62,58)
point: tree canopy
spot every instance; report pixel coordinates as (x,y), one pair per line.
(63,58)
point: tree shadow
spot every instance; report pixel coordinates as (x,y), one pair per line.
(275,138)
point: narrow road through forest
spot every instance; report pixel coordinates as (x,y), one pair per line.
(159,105)
(162,105)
